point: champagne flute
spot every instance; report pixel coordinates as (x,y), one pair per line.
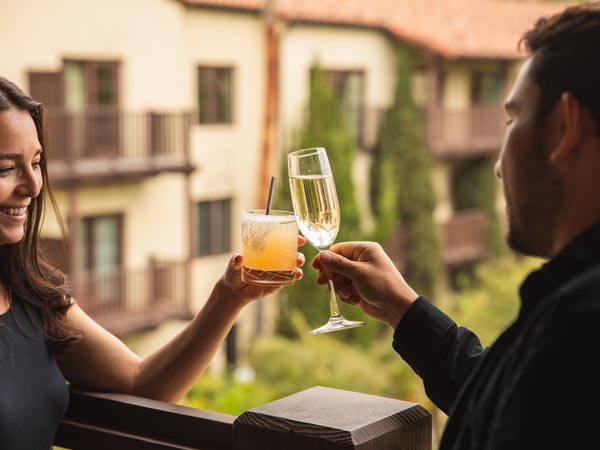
(318,214)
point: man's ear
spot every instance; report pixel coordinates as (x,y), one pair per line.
(568,114)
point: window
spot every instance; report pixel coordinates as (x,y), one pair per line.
(101,243)
(486,88)
(349,87)
(101,257)
(214,227)
(83,98)
(214,94)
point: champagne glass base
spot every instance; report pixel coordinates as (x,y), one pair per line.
(337,323)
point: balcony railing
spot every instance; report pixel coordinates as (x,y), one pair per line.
(472,132)
(315,419)
(475,131)
(108,143)
(464,236)
(126,301)
(463,239)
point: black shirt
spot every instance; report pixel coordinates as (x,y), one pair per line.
(538,385)
(33,393)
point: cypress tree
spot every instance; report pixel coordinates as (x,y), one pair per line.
(402,161)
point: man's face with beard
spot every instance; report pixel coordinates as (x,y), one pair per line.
(532,188)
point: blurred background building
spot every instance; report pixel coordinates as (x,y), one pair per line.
(167,118)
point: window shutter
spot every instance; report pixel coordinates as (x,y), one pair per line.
(47,87)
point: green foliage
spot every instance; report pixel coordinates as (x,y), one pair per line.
(475,186)
(487,303)
(226,395)
(401,184)
(383,199)
(324,360)
(285,366)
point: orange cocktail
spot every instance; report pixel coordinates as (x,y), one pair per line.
(270,247)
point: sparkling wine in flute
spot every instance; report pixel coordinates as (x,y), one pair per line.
(317,210)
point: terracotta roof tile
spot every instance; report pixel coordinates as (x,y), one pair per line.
(451,28)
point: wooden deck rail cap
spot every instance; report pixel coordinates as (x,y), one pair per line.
(110,421)
(327,418)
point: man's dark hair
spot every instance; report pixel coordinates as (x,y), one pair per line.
(565,50)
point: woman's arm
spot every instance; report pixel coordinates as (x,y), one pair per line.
(101,361)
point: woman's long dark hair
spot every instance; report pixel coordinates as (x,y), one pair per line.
(24,273)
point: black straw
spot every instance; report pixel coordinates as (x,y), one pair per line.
(270,195)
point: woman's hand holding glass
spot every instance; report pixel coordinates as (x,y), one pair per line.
(245,292)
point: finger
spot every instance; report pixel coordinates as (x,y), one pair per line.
(351,300)
(235,263)
(298,274)
(350,249)
(339,264)
(347,293)
(344,288)
(322,278)
(300,259)
(301,240)
(371,310)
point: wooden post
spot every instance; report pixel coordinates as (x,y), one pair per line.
(324,418)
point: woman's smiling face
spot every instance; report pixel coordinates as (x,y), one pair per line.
(20,172)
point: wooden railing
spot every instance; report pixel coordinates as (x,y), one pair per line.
(463,239)
(475,131)
(315,419)
(106,142)
(125,301)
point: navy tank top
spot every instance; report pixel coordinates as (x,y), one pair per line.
(33,393)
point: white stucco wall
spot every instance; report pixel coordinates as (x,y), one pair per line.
(146,35)
(228,155)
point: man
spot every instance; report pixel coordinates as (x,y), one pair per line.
(538,385)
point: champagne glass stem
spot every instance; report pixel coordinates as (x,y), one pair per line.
(333,304)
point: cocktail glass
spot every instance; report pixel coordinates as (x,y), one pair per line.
(269,247)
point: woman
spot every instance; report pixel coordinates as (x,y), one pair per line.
(45,337)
